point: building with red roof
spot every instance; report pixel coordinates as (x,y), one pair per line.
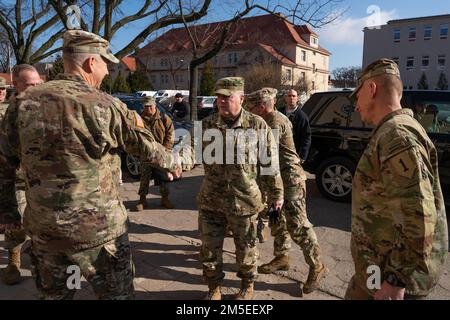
(265,39)
(126,66)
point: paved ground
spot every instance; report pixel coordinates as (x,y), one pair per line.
(165,248)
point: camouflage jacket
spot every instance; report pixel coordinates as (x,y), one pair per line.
(3,107)
(398,214)
(66,136)
(162,129)
(291,170)
(231,186)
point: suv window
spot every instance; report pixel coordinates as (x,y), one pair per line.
(334,113)
(433,115)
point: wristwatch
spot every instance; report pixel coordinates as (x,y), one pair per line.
(393,280)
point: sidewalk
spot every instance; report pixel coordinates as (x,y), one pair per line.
(165,248)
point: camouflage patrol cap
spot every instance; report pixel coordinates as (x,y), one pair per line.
(261,95)
(2,82)
(376,68)
(228,86)
(148,101)
(79,41)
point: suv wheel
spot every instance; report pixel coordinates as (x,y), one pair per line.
(334,178)
(133,166)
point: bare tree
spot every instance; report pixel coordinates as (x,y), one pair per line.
(5,52)
(107,17)
(346,77)
(263,75)
(30,22)
(317,13)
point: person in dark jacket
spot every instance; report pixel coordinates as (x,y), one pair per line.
(300,124)
(180,108)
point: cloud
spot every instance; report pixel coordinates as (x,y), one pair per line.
(349,30)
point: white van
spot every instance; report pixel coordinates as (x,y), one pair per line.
(145,94)
(169,93)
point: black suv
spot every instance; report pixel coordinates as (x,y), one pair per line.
(339,137)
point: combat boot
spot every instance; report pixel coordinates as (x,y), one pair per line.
(314,277)
(214,293)
(278,263)
(11,274)
(142,204)
(165,202)
(246,292)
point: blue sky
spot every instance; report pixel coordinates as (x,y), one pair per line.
(344,38)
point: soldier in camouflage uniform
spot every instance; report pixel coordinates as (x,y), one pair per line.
(294,222)
(230,193)
(398,215)
(161,126)
(66,135)
(24,77)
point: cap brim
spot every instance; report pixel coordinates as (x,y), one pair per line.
(353,94)
(110,57)
(224,92)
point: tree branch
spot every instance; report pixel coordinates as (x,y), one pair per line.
(47,45)
(96,17)
(137,16)
(161,23)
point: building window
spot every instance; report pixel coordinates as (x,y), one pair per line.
(427,31)
(161,78)
(216,59)
(409,63)
(441,62)
(288,75)
(303,55)
(314,68)
(153,78)
(425,62)
(397,35)
(233,57)
(313,85)
(314,53)
(396,60)
(303,76)
(412,34)
(314,41)
(444,31)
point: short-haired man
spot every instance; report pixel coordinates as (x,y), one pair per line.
(399,226)
(68,144)
(180,108)
(161,126)
(294,222)
(24,77)
(300,123)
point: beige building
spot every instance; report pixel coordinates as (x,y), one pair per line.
(126,66)
(293,50)
(418,45)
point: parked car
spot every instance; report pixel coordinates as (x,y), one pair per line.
(205,101)
(144,94)
(339,137)
(130,162)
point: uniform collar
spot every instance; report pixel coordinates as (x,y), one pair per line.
(393,114)
(70,77)
(239,122)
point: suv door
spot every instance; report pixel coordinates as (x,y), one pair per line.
(432,110)
(328,158)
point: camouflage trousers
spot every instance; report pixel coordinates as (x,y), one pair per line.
(212,226)
(108,268)
(358,291)
(148,173)
(294,224)
(16,237)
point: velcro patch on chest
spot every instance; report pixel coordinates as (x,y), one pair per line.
(404,164)
(138,122)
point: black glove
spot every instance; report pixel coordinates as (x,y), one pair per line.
(274,216)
